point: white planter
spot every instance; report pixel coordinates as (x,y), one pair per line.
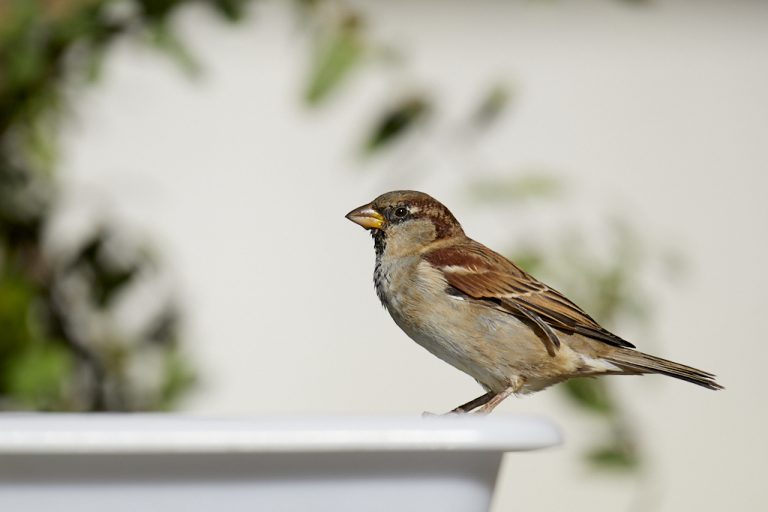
(116,463)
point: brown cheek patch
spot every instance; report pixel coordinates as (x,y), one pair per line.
(445,223)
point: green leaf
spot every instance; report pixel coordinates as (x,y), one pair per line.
(396,122)
(530,260)
(614,457)
(232,10)
(590,394)
(492,106)
(167,41)
(178,378)
(16,329)
(338,54)
(515,188)
(38,377)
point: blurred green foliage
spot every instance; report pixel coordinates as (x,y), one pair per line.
(492,106)
(60,345)
(339,48)
(398,120)
(515,187)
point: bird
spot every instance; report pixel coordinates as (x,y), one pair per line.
(484,315)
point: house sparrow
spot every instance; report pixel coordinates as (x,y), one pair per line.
(479,312)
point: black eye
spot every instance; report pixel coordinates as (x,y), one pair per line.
(401,212)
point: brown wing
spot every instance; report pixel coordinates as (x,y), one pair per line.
(480,273)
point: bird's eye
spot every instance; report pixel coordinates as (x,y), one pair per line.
(401,212)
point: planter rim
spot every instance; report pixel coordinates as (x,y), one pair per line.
(153,433)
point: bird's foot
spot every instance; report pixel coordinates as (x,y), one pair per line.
(474,404)
(481,405)
(427,414)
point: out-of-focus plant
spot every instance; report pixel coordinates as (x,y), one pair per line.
(338,49)
(396,121)
(61,344)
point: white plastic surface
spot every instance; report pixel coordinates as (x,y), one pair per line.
(162,433)
(167,462)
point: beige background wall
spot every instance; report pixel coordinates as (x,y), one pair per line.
(659,113)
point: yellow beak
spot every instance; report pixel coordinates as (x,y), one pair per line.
(367,217)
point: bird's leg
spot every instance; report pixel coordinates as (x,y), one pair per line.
(467,407)
(473,404)
(497,398)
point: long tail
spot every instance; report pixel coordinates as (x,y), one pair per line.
(634,361)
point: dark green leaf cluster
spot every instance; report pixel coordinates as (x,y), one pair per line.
(60,347)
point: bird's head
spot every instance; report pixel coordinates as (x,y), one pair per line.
(406,220)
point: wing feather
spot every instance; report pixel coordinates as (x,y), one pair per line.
(483,274)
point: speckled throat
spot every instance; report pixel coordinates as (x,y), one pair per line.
(380,279)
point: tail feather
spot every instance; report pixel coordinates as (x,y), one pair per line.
(634,361)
